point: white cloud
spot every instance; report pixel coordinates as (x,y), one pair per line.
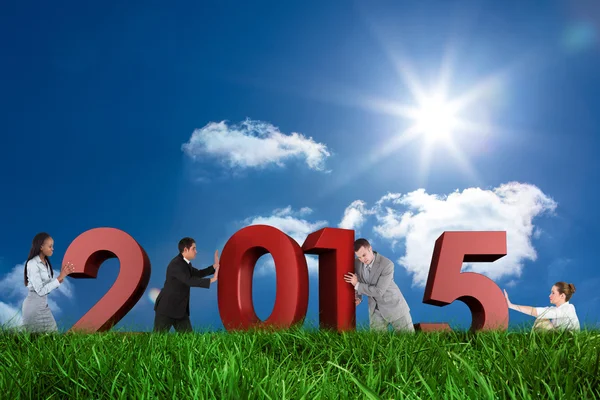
(289,222)
(14,292)
(419,218)
(10,316)
(254,144)
(355,215)
(288,211)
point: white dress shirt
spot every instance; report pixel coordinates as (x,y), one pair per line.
(38,276)
(562,317)
(367,268)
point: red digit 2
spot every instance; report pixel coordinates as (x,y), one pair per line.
(335,248)
(238,260)
(446,283)
(87,252)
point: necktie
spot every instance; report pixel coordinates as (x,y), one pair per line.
(367,270)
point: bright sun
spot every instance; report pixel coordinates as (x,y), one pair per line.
(435,118)
(438,121)
(452,125)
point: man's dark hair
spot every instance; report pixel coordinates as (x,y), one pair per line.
(185,243)
(358,243)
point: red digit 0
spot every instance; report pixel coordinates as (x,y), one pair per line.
(238,260)
(87,252)
(335,248)
(446,283)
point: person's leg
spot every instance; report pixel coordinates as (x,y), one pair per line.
(50,323)
(377,322)
(183,325)
(29,312)
(404,324)
(162,323)
(543,324)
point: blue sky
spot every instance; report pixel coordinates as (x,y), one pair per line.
(199,119)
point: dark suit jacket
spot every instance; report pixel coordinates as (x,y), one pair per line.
(174,298)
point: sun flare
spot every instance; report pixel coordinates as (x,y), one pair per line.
(435,118)
(447,126)
(444,124)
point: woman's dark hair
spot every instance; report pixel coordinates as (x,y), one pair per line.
(36,244)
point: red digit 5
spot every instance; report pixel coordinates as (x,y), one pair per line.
(335,248)
(238,260)
(446,283)
(87,252)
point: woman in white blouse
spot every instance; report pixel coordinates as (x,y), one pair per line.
(561,316)
(39,279)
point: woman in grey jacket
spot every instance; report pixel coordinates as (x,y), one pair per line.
(39,279)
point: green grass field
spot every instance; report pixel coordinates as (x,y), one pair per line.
(300,363)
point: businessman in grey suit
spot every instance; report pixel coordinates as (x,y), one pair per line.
(375,278)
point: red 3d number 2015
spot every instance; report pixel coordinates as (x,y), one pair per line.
(335,249)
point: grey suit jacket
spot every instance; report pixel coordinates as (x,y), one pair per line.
(381,289)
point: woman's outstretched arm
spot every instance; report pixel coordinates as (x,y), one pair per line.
(524,309)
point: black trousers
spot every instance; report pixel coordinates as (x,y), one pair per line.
(162,323)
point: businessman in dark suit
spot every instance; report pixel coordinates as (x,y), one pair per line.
(172,307)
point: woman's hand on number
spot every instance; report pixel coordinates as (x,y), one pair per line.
(67,269)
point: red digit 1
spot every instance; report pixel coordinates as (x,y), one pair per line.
(87,252)
(238,260)
(335,248)
(446,283)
